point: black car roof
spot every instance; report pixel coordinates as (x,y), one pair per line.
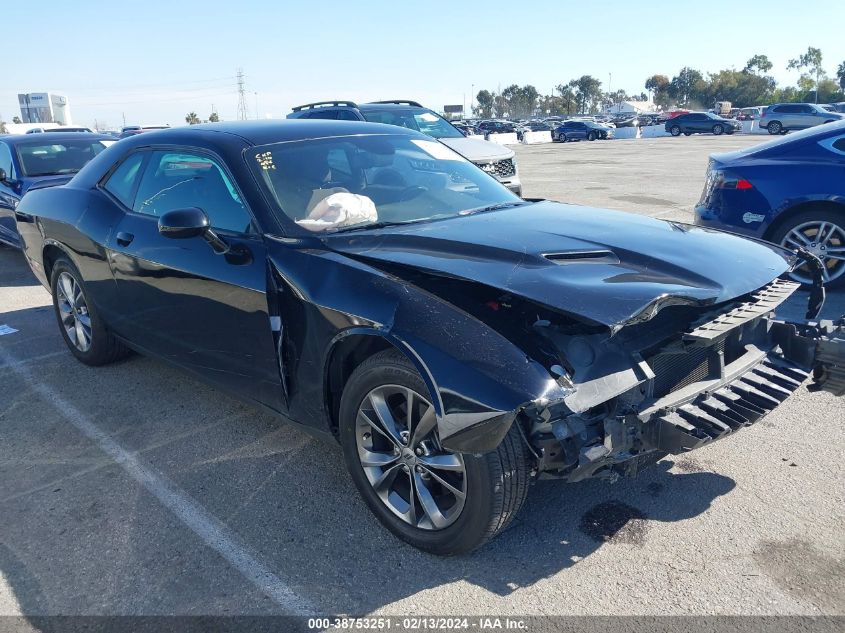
(265,132)
(46,137)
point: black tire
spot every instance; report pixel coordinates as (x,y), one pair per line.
(675,130)
(774,127)
(687,133)
(591,136)
(718,130)
(496,482)
(562,137)
(830,216)
(103,347)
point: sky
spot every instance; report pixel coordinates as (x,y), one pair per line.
(157,61)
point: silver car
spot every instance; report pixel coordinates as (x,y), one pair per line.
(784,117)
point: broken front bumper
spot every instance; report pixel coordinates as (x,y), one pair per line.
(725,373)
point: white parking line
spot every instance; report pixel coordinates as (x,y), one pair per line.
(212,532)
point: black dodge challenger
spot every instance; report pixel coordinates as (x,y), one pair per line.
(369,284)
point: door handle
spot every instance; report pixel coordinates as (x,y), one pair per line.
(124,239)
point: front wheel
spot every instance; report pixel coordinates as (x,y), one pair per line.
(675,130)
(775,128)
(687,133)
(591,136)
(718,129)
(438,501)
(822,232)
(562,137)
(81,326)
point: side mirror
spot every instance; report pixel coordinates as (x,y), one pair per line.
(3,176)
(183,223)
(191,222)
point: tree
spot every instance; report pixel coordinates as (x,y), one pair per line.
(686,86)
(16,119)
(840,75)
(587,93)
(3,129)
(812,61)
(567,98)
(759,64)
(658,85)
(191,118)
(485,101)
(213,118)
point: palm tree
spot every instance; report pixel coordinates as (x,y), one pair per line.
(192,118)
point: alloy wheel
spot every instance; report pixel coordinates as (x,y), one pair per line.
(401,455)
(74,312)
(717,130)
(826,240)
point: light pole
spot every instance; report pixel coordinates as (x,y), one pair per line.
(256,106)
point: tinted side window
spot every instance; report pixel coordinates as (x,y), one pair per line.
(805,109)
(323,114)
(121,184)
(6,160)
(177,180)
(346,115)
(839,144)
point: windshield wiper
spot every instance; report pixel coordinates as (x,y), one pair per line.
(371,225)
(493,207)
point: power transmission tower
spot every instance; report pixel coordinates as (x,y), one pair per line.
(243,113)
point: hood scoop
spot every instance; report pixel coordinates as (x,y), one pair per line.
(583,257)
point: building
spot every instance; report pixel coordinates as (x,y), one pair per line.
(44,107)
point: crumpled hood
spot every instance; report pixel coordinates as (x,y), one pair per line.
(601,266)
(478,150)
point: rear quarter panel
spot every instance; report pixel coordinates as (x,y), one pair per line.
(78,222)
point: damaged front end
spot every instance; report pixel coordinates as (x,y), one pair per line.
(638,395)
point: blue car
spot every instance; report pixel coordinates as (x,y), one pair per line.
(47,159)
(581,130)
(790,191)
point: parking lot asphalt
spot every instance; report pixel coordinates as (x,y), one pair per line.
(134,489)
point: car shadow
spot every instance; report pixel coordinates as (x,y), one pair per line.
(12,263)
(285,495)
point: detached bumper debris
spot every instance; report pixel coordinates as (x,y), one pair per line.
(713,415)
(722,372)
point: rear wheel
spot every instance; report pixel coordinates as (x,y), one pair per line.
(775,127)
(822,232)
(718,129)
(591,136)
(81,326)
(687,133)
(675,130)
(442,502)
(561,137)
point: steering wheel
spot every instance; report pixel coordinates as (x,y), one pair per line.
(409,193)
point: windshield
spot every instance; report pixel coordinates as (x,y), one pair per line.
(418,119)
(57,157)
(355,181)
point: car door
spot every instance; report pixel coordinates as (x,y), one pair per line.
(182,300)
(8,197)
(789,116)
